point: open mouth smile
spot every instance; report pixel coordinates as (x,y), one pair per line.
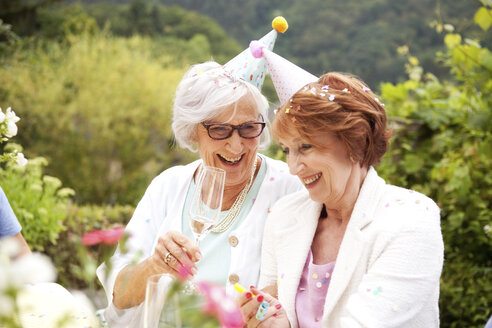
(230,160)
(311,180)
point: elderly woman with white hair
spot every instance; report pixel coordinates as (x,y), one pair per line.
(220,112)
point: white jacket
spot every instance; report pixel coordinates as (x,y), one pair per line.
(389,263)
(160,210)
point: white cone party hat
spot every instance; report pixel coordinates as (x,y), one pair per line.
(287,77)
(252,69)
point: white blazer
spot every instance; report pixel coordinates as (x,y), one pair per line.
(160,210)
(389,263)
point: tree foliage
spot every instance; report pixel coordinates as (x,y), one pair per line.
(98,109)
(443,148)
(360,37)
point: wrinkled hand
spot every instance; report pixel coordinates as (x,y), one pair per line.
(173,252)
(275,316)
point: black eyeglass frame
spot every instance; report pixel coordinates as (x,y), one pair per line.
(234,127)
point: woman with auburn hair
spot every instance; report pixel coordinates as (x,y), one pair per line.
(349,250)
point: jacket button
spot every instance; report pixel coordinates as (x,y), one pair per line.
(233,241)
(233,278)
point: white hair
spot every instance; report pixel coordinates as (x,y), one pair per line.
(203,92)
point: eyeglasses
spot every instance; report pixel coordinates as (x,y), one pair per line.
(221,131)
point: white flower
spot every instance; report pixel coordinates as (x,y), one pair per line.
(487,229)
(6,305)
(10,116)
(10,247)
(2,116)
(33,268)
(20,159)
(11,129)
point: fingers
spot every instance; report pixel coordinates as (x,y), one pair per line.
(258,310)
(244,298)
(173,250)
(186,244)
(250,309)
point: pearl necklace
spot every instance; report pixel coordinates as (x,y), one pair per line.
(231,216)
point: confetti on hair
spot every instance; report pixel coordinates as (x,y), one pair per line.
(305,88)
(313,91)
(287,110)
(365,89)
(346,90)
(332,97)
(290,100)
(322,94)
(325,88)
(377,100)
(275,111)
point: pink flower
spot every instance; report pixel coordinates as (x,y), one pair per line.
(218,303)
(91,238)
(112,236)
(108,237)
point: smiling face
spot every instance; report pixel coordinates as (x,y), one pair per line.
(327,173)
(235,154)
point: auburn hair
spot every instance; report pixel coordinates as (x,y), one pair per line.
(340,104)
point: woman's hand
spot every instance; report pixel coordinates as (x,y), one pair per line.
(174,253)
(250,301)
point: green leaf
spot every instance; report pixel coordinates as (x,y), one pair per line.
(486,59)
(483,17)
(452,40)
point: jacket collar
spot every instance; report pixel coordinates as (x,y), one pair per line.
(353,244)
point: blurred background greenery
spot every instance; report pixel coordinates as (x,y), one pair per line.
(93,83)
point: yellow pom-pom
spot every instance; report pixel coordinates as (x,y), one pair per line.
(280,24)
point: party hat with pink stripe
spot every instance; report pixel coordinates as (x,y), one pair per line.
(248,68)
(287,77)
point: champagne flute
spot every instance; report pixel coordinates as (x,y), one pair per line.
(206,203)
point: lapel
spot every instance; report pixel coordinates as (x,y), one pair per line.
(293,242)
(353,243)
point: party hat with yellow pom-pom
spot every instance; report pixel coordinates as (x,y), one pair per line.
(248,68)
(287,77)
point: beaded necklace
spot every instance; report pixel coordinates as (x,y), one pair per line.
(231,216)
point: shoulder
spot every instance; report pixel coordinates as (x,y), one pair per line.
(172,178)
(286,210)
(278,171)
(401,211)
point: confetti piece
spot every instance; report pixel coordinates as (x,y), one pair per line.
(332,97)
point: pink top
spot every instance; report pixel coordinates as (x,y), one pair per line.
(311,294)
